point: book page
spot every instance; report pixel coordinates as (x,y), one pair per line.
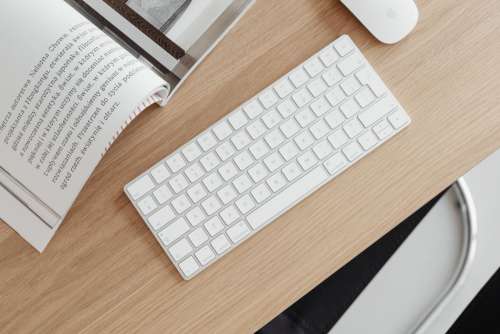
(66,91)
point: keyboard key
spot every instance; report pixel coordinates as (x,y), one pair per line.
(338,139)
(350,108)
(398,119)
(160,173)
(195,216)
(259,149)
(180,249)
(350,64)
(242,183)
(368,77)
(197,193)
(214,226)
(258,172)
(237,120)
(245,204)
(176,163)
(383,129)
(253,109)
(317,87)
(210,161)
(353,128)
(240,140)
(268,98)
(350,85)
(289,151)
(178,183)
(211,205)
(332,76)
(343,45)
(367,140)
(378,110)
(292,171)
(307,160)
(334,119)
(364,97)
(305,117)
(335,96)
(221,244)
(313,67)
(289,128)
(229,215)
(320,106)
(194,172)
(335,163)
(162,194)
(243,160)
(198,237)
(161,217)
(181,204)
(278,204)
(322,149)
(260,193)
(225,151)
(140,187)
(205,255)
(319,129)
(191,152)
(256,129)
(147,205)
(276,182)
(304,140)
(222,130)
(271,119)
(299,77)
(207,141)
(189,266)
(302,97)
(274,138)
(352,151)
(228,171)
(273,161)
(212,182)
(328,56)
(173,231)
(286,108)
(227,194)
(283,88)
(238,232)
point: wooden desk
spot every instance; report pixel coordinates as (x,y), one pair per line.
(104,272)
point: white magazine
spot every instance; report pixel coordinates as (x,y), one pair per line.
(71,82)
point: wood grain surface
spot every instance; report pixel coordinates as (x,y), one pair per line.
(104,272)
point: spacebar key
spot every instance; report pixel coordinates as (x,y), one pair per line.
(291,195)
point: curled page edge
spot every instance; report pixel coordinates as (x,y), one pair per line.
(158,96)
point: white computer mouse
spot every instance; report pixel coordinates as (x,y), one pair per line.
(388,20)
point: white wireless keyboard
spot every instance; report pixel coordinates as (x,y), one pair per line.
(256,163)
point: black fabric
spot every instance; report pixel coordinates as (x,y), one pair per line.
(483,313)
(321,308)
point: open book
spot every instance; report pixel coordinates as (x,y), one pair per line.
(74,74)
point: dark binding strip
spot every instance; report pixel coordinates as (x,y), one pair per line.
(138,21)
